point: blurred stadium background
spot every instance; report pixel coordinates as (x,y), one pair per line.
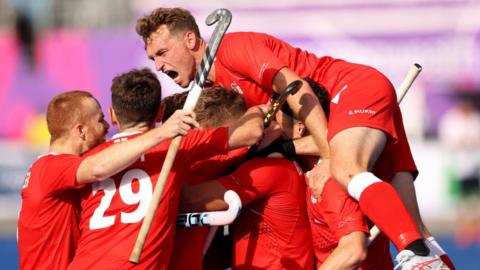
(49,46)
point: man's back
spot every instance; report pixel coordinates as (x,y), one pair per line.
(112,210)
(273,231)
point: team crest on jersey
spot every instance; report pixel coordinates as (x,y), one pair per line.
(236,88)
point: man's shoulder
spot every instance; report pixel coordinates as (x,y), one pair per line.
(231,39)
(246,35)
(271,167)
(53,159)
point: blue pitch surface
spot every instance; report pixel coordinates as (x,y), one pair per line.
(468,258)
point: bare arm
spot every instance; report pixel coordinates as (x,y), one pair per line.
(119,156)
(306,146)
(306,107)
(349,254)
(248,130)
(203,197)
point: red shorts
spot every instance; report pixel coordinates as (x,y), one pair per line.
(364,97)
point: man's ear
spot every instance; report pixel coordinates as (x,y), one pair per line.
(80,131)
(301,129)
(112,116)
(190,40)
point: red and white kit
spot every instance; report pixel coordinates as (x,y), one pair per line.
(272,232)
(48,221)
(336,215)
(112,210)
(360,97)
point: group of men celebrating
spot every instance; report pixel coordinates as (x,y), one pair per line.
(83,202)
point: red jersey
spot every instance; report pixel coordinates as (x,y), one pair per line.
(249,68)
(247,62)
(200,172)
(336,215)
(272,232)
(48,221)
(112,210)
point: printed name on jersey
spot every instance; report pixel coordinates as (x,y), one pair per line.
(361,111)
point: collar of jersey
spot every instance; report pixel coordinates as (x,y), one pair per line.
(124,134)
(47,154)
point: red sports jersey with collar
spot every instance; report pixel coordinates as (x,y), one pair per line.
(112,210)
(48,221)
(247,62)
(335,215)
(216,166)
(272,232)
(190,242)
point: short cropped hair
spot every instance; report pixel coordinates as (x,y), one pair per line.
(216,106)
(176,20)
(136,97)
(64,111)
(320,92)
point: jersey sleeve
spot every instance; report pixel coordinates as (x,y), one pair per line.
(201,144)
(216,166)
(61,174)
(255,178)
(252,56)
(341,212)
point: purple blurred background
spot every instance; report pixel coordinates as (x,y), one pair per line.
(50,46)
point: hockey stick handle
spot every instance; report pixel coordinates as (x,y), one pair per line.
(401,92)
(224,19)
(156,196)
(408,81)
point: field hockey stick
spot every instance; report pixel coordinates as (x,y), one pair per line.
(401,92)
(205,218)
(277,104)
(408,81)
(213,218)
(224,18)
(291,89)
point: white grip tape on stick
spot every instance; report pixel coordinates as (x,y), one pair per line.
(408,81)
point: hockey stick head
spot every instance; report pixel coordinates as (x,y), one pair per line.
(220,14)
(220,218)
(224,18)
(214,218)
(291,89)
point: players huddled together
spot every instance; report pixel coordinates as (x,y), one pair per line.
(334,164)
